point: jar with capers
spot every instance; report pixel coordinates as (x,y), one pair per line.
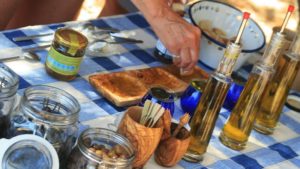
(99,148)
(50,113)
(66,53)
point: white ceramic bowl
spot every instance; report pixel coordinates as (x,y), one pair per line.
(228,19)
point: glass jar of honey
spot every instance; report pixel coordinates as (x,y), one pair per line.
(66,53)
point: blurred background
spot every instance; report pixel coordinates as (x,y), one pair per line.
(267,13)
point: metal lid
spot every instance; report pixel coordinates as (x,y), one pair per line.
(199,84)
(27,152)
(71,38)
(162,94)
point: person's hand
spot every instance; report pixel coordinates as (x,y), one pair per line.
(179,37)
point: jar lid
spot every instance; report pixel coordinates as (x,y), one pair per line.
(199,84)
(162,94)
(27,152)
(71,38)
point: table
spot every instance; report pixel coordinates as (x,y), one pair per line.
(281,150)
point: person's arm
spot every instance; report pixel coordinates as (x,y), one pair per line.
(35,12)
(180,38)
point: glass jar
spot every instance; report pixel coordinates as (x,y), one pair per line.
(99,148)
(66,53)
(27,152)
(50,113)
(9,83)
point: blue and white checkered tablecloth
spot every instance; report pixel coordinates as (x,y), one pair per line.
(281,150)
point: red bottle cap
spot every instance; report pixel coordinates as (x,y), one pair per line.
(291,8)
(246,15)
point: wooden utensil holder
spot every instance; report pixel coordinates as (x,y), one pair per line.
(170,151)
(144,139)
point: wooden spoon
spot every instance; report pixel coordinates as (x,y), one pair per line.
(183,121)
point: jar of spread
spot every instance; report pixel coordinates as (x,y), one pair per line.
(50,113)
(66,53)
(99,148)
(9,83)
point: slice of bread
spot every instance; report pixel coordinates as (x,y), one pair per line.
(120,88)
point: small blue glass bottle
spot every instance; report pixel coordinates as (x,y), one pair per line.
(191,96)
(162,96)
(234,91)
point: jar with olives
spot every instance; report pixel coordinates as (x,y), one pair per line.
(50,113)
(66,53)
(99,148)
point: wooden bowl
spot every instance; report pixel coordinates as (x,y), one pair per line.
(144,139)
(171,150)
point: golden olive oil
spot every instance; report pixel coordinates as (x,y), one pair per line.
(276,93)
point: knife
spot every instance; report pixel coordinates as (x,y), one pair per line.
(120,40)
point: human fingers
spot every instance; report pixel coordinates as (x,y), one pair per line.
(194,48)
(176,60)
(194,60)
(185,57)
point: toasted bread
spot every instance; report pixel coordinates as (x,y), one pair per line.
(120,88)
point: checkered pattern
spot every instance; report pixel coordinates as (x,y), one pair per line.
(281,150)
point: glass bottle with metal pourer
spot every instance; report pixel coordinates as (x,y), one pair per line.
(277,90)
(212,99)
(237,129)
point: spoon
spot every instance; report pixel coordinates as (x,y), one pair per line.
(183,121)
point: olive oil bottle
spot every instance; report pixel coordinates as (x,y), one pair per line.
(277,90)
(212,99)
(237,129)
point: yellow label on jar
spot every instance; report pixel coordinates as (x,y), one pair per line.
(63,64)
